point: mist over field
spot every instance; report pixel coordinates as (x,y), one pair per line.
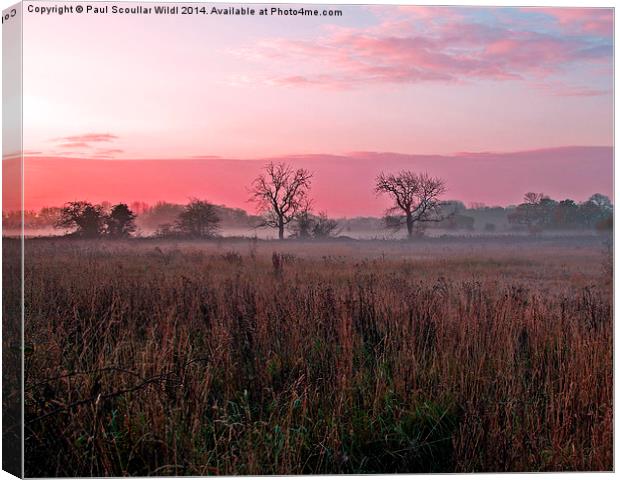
(252,357)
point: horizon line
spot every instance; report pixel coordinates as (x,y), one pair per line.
(249,213)
(297,156)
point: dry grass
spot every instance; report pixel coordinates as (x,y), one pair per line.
(287,358)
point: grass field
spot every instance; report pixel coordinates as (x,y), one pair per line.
(257,357)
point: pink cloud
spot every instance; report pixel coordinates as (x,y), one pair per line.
(455,49)
(297,80)
(84,142)
(596,21)
(565,90)
(109,151)
(91,137)
(418,12)
(74,145)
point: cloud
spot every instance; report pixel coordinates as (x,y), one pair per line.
(109,151)
(561,89)
(74,145)
(204,157)
(89,137)
(595,21)
(77,144)
(434,45)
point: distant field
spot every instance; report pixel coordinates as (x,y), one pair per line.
(263,357)
(381,234)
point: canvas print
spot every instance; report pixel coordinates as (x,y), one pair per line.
(287,239)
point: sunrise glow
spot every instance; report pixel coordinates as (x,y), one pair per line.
(413,81)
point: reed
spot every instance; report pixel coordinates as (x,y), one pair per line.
(151,358)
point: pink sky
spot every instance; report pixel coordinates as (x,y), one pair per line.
(412,80)
(494,179)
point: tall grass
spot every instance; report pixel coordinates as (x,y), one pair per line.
(162,360)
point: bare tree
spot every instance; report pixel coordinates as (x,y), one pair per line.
(533,198)
(281,193)
(415,196)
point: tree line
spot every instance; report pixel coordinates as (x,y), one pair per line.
(282,196)
(539,212)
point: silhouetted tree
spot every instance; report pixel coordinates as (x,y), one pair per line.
(121,221)
(532,198)
(566,214)
(601,201)
(324,227)
(281,193)
(415,196)
(199,220)
(546,211)
(303,223)
(456,216)
(532,212)
(538,212)
(319,226)
(87,220)
(595,210)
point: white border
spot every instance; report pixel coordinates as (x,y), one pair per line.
(500,3)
